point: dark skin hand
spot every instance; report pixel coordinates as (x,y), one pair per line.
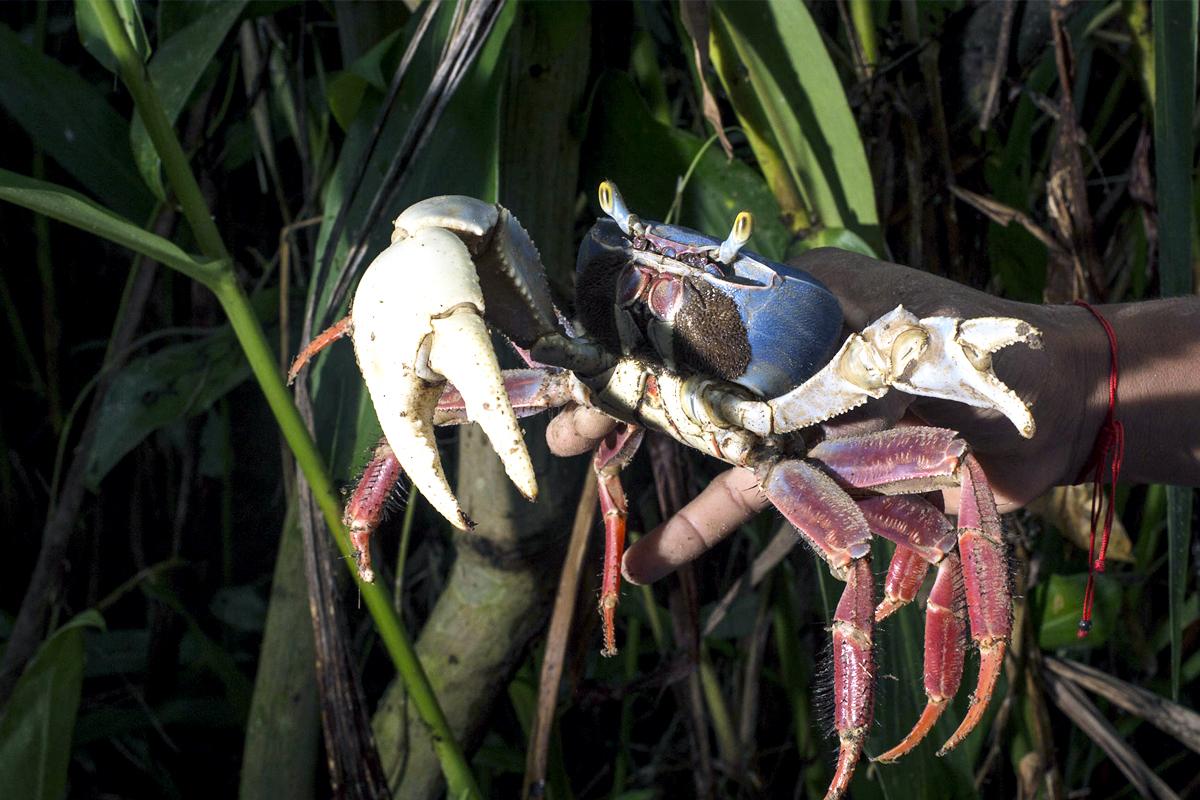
(1066,384)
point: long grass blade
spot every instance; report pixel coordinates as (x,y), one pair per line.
(1175,92)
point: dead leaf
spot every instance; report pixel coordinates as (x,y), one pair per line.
(1069,508)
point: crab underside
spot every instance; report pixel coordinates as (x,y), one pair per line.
(730,354)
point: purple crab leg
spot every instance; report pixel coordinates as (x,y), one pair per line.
(834,525)
(923,459)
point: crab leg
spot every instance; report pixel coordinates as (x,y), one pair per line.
(613,454)
(989,600)
(945,633)
(922,535)
(835,526)
(366,507)
(922,459)
(530,391)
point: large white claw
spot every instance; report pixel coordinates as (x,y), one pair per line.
(416,320)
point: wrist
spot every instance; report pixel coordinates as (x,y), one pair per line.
(1158,356)
(1070,398)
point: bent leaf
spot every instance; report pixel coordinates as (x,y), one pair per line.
(39,721)
(73,208)
(72,122)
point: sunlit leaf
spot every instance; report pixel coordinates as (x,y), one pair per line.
(800,98)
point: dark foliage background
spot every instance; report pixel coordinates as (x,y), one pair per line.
(174,646)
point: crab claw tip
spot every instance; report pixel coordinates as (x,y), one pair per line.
(462,351)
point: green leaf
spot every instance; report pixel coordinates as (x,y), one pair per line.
(1179,534)
(176,69)
(75,209)
(1174,151)
(39,721)
(716,191)
(841,238)
(92,37)
(70,119)
(174,383)
(1060,600)
(374,69)
(800,98)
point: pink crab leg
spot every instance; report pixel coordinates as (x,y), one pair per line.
(945,634)
(835,526)
(614,452)
(989,600)
(530,390)
(922,459)
(922,535)
(898,461)
(365,509)
(331,334)
(906,572)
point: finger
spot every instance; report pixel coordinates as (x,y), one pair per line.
(726,504)
(577,430)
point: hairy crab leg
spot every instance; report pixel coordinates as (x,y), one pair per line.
(922,535)
(989,598)
(366,506)
(906,573)
(529,390)
(923,459)
(613,454)
(833,523)
(945,640)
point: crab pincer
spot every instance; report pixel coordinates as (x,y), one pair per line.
(417,322)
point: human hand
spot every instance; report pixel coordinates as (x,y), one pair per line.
(1058,382)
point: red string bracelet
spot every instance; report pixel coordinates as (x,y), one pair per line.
(1111,439)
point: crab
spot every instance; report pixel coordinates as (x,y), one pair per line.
(731,354)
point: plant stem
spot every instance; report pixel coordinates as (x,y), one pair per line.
(262,363)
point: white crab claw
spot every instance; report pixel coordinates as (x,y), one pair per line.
(940,357)
(957,365)
(416,320)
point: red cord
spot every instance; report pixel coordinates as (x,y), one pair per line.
(1111,439)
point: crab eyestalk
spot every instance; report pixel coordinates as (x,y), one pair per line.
(613,204)
(743,229)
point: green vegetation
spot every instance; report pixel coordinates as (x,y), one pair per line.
(183,184)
